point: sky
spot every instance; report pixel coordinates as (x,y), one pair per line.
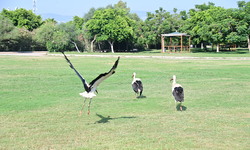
(80,7)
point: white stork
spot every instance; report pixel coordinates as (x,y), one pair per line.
(177,91)
(137,85)
(90,89)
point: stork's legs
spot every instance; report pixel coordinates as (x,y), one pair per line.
(180,106)
(82,107)
(89,106)
(135,95)
(175,105)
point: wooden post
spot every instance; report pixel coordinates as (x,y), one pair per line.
(189,43)
(181,43)
(162,44)
(229,45)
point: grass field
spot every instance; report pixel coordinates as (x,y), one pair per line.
(40,103)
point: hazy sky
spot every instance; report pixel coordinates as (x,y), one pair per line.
(80,7)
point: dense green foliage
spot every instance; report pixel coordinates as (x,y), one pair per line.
(110,25)
(23,18)
(114,28)
(8,33)
(78,22)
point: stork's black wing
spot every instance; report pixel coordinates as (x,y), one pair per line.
(178,94)
(103,76)
(85,84)
(137,86)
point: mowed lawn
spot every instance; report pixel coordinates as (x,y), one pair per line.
(40,103)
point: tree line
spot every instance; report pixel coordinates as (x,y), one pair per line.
(114,28)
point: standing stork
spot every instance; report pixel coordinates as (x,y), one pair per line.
(177,91)
(90,89)
(137,85)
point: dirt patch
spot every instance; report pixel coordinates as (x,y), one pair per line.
(45,53)
(26,53)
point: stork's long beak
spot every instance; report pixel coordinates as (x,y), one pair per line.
(96,91)
(132,76)
(171,79)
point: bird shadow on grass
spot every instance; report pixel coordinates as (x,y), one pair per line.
(106,119)
(184,108)
(142,96)
(139,97)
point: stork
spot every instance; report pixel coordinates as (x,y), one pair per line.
(90,89)
(137,85)
(177,92)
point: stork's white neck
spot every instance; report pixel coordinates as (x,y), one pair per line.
(134,76)
(174,79)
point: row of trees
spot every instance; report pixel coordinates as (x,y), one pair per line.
(115,28)
(219,25)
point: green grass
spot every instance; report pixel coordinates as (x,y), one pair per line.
(40,103)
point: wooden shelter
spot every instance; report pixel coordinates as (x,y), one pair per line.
(170,46)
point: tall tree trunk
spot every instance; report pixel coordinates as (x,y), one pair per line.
(86,43)
(92,43)
(201,45)
(99,45)
(112,48)
(111,45)
(218,48)
(145,42)
(205,46)
(76,46)
(248,41)
(147,45)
